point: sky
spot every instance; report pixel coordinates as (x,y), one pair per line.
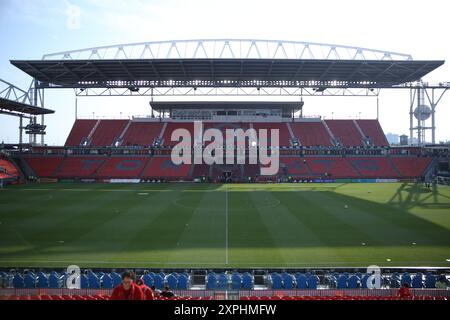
(31,28)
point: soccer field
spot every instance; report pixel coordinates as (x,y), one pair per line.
(235,225)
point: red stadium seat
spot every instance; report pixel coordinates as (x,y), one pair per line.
(284,135)
(410,167)
(142,133)
(346,132)
(107,131)
(44,167)
(311,134)
(372,129)
(80,131)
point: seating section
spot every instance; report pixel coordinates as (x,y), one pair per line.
(141,133)
(372,130)
(312,134)
(122,167)
(334,167)
(44,167)
(200,170)
(285,137)
(293,167)
(80,131)
(251,170)
(411,167)
(172,126)
(80,167)
(163,167)
(375,167)
(107,131)
(134,167)
(231,280)
(346,132)
(8,170)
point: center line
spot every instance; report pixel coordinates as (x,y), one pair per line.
(226,224)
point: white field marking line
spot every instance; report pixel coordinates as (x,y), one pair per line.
(226,225)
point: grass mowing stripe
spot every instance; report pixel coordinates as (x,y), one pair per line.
(249,237)
(307,225)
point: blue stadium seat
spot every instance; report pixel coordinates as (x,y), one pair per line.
(406,278)
(417,281)
(84,281)
(159,282)
(54,280)
(42,280)
(288,281)
(211,281)
(312,282)
(236,281)
(277,282)
(184,274)
(172,281)
(430,281)
(116,278)
(354,282)
(107,282)
(18,281)
(93,280)
(247,281)
(29,280)
(183,282)
(223,281)
(301,281)
(148,280)
(342,282)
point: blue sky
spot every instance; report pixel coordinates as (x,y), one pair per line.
(32,28)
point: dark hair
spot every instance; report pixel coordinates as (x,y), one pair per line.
(153,288)
(128,274)
(139,281)
(405,285)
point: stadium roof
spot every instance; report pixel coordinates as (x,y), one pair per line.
(168,105)
(125,73)
(9,106)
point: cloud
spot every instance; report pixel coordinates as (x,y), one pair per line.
(73,16)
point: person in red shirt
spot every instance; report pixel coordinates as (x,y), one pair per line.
(127,290)
(404,292)
(148,293)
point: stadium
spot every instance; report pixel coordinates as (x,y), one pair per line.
(346,216)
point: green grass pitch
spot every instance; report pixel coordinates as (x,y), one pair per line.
(234,225)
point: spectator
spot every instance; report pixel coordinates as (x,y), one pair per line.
(166,293)
(148,292)
(404,292)
(127,290)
